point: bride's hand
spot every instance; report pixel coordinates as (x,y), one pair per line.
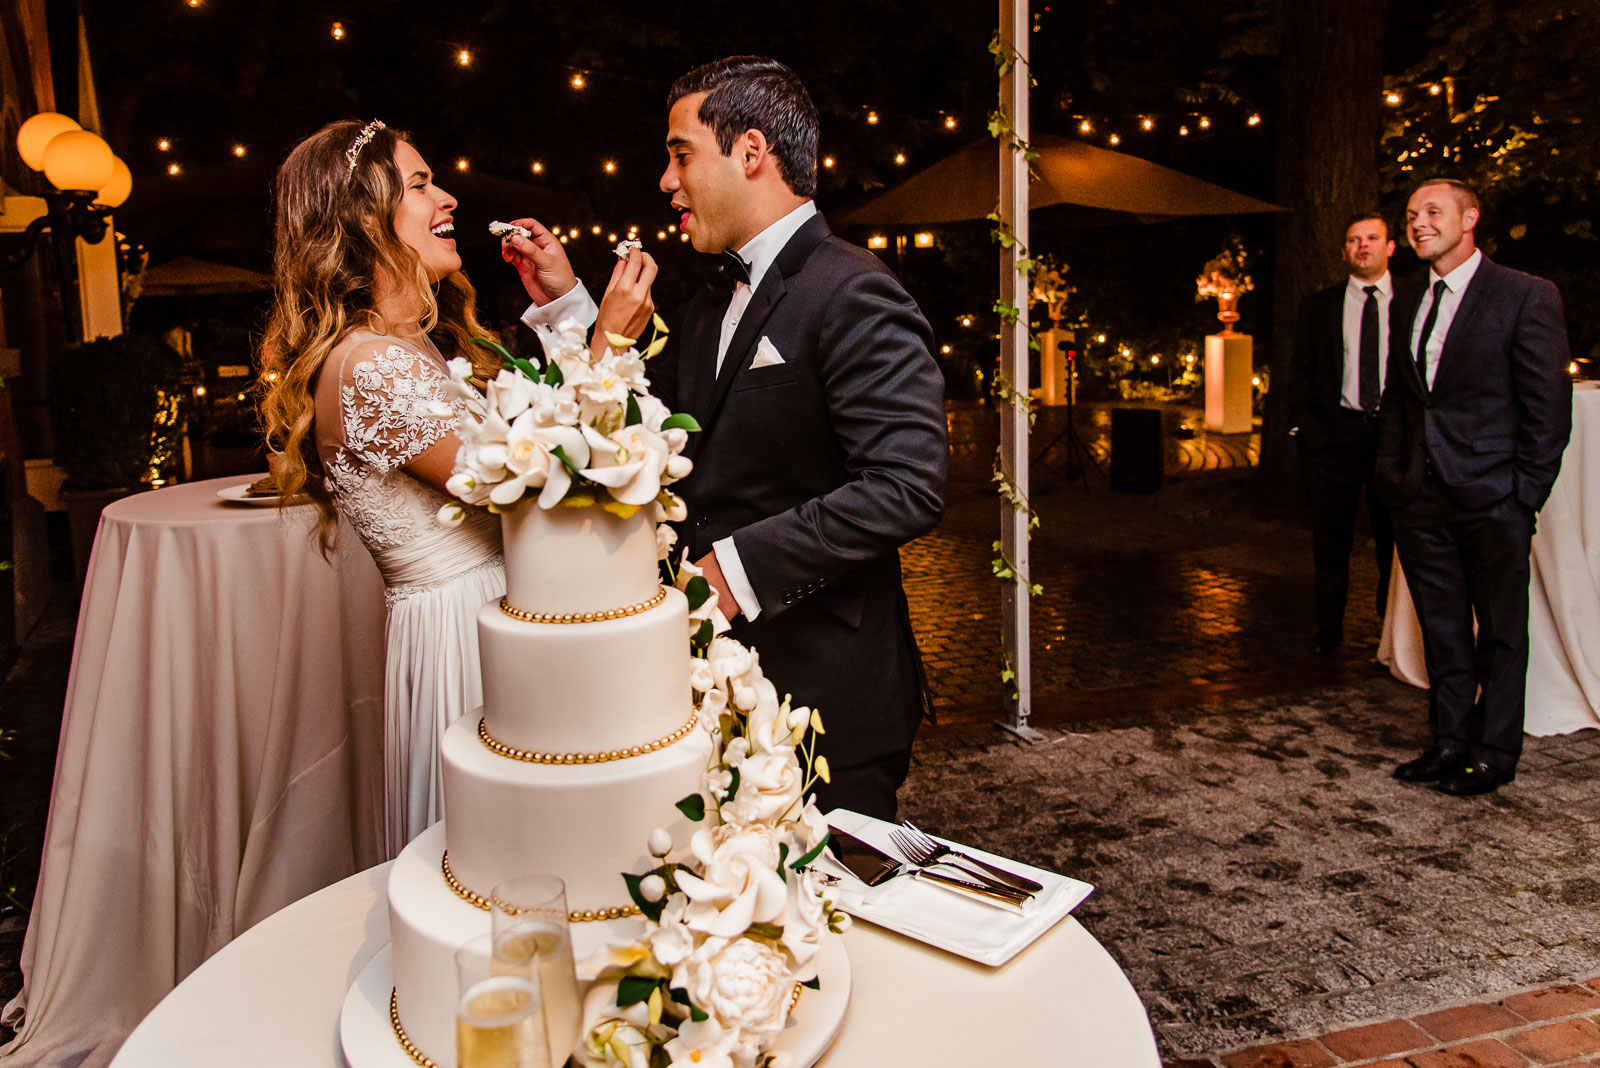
(627,306)
(540,261)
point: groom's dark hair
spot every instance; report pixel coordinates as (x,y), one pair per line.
(757,93)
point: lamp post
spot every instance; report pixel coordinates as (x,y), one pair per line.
(89,181)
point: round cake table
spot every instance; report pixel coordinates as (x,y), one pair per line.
(273,997)
(221,755)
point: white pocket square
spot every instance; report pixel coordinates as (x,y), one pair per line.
(766,355)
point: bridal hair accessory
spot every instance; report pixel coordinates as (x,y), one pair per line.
(368,132)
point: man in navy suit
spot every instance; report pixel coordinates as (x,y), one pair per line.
(1476,412)
(823,446)
(1341,345)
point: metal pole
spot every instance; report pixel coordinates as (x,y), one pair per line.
(1014,289)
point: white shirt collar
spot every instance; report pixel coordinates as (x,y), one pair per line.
(1457,279)
(1384,284)
(761,250)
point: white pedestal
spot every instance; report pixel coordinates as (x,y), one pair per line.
(1055,370)
(1228,389)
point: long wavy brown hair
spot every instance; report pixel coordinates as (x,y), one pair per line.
(335,238)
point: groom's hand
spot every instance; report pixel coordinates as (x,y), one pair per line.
(540,260)
(712,573)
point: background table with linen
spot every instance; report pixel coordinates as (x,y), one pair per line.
(221,755)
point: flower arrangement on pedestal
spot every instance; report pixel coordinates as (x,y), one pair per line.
(735,921)
(1224,278)
(581,430)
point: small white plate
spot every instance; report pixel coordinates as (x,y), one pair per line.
(240,495)
(948,919)
(368,1039)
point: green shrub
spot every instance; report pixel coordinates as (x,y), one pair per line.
(105,401)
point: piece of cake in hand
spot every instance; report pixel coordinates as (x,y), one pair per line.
(505,229)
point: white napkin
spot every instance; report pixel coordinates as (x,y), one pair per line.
(767,355)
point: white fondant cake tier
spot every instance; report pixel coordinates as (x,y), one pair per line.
(427,922)
(585,687)
(587,823)
(562,560)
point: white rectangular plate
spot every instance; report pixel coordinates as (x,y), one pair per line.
(956,922)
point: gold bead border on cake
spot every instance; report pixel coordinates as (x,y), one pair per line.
(583,617)
(478,901)
(406,1044)
(528,756)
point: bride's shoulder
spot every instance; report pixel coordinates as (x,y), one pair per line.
(364,350)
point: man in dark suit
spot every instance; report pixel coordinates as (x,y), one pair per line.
(1335,383)
(1477,410)
(823,446)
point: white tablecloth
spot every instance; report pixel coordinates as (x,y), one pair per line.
(221,756)
(273,998)
(1563,598)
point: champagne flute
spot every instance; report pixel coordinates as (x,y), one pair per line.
(529,916)
(500,1014)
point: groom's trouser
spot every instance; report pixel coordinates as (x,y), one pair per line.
(868,788)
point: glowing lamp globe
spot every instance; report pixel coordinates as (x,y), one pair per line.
(115,191)
(35,134)
(78,159)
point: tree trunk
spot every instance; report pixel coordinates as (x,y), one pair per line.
(1330,124)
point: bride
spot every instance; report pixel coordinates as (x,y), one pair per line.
(370,303)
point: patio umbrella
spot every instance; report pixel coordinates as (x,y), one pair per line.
(187,275)
(1101,186)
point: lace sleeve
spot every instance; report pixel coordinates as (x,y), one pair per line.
(392,404)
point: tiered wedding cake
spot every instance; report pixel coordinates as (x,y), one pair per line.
(586,739)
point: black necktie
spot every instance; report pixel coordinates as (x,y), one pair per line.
(733,268)
(1371,388)
(1427,329)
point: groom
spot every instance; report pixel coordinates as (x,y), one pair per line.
(823,446)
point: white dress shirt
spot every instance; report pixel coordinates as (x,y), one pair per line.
(1355,302)
(1455,284)
(759,252)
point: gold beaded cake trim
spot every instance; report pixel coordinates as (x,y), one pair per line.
(478,901)
(528,756)
(583,617)
(406,1044)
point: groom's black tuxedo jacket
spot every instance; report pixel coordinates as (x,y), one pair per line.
(820,467)
(1499,414)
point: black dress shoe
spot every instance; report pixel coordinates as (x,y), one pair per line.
(1437,763)
(1476,778)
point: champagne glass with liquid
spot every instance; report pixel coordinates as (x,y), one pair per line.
(499,1014)
(531,933)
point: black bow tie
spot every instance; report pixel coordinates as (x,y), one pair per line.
(732,267)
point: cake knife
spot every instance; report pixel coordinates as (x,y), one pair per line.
(873,866)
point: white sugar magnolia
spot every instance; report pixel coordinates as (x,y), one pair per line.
(581,430)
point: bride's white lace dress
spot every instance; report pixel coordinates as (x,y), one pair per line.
(378,409)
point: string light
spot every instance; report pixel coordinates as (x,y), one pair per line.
(238,150)
(827,161)
(1115,140)
(900,159)
(573,232)
(596,230)
(872,118)
(1435,89)
(611,238)
(199,391)
(611,167)
(538,168)
(464,58)
(877,241)
(1205,123)
(1253,120)
(661,235)
(683,237)
(173,168)
(1148,123)
(949,122)
(163,144)
(338,31)
(965,320)
(462,164)
(923,239)
(672,229)
(563,239)
(1183,131)
(945,349)
(577,81)
(194,3)
(1086,127)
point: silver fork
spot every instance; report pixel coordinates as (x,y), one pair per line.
(924,850)
(921,858)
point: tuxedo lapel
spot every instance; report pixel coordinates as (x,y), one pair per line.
(741,349)
(1461,324)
